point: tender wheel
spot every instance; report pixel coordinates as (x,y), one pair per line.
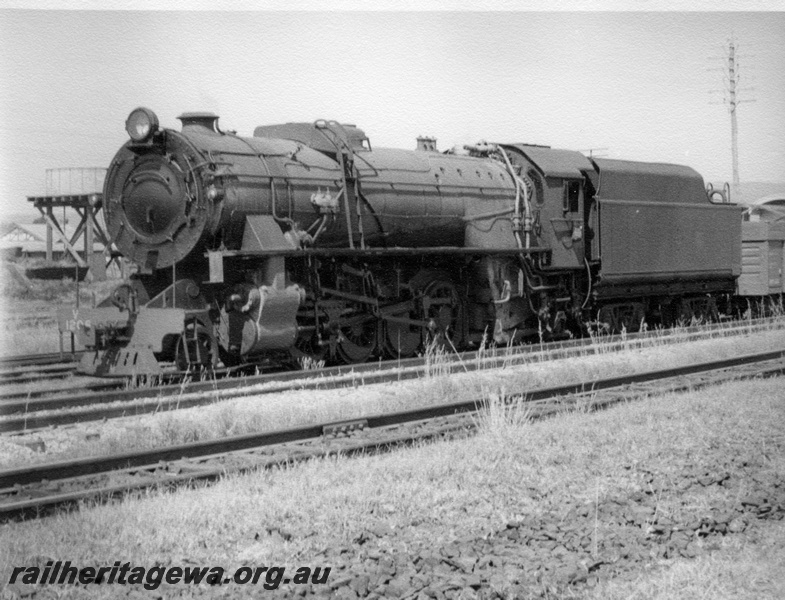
(195,348)
(622,317)
(695,310)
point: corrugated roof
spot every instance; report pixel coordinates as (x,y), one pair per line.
(36,230)
(14,238)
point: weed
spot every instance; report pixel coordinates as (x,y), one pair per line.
(308,363)
(226,422)
(584,403)
(436,359)
(499,413)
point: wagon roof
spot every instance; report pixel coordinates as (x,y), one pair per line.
(770,199)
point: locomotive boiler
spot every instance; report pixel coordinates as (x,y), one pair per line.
(304,241)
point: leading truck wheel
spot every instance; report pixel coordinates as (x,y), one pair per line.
(195,348)
(309,349)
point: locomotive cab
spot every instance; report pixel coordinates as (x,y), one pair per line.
(561,204)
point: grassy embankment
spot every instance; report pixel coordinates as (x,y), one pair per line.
(438,494)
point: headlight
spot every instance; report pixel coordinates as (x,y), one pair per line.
(141,124)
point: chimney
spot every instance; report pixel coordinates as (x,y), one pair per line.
(200,119)
(426,143)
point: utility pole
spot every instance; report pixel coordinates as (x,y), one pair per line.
(733,80)
(732,77)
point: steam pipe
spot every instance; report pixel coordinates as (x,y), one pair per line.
(522,219)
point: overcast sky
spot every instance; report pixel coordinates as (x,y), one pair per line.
(634,84)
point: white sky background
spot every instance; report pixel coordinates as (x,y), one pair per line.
(635,83)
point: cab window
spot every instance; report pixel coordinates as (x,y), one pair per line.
(572,195)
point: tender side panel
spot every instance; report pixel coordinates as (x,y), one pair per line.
(658,242)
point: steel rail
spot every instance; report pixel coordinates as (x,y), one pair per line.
(23,360)
(115,404)
(12,481)
(67,357)
(21,374)
(94,385)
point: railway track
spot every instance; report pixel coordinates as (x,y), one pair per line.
(31,373)
(104,401)
(75,385)
(37,490)
(28,368)
(12,367)
(32,360)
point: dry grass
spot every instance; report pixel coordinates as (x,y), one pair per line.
(38,338)
(433,494)
(42,299)
(281,410)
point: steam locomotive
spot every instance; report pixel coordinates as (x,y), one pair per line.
(304,241)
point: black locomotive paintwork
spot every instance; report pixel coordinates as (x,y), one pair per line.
(304,241)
